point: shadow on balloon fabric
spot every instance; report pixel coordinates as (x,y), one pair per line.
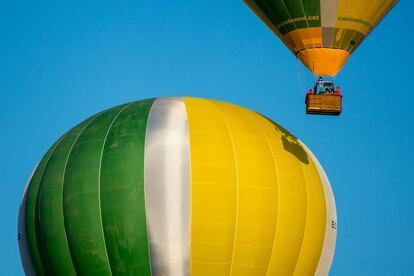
(290,142)
(292,146)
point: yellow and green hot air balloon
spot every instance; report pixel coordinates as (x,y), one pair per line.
(322,33)
(175,187)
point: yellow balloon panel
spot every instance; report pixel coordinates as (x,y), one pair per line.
(361,16)
(259,206)
(213,190)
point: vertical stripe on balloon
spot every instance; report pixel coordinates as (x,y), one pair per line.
(31,220)
(52,222)
(167,187)
(22,233)
(328,249)
(213,190)
(315,226)
(292,198)
(256,191)
(328,18)
(81,197)
(122,192)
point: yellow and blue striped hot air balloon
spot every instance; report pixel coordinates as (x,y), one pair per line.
(322,33)
(177,186)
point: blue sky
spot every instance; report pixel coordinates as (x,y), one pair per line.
(62,61)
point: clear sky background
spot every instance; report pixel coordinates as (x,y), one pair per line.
(63,61)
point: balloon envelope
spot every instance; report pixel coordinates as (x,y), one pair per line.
(322,33)
(177,186)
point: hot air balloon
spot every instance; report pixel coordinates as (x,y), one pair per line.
(322,34)
(177,186)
